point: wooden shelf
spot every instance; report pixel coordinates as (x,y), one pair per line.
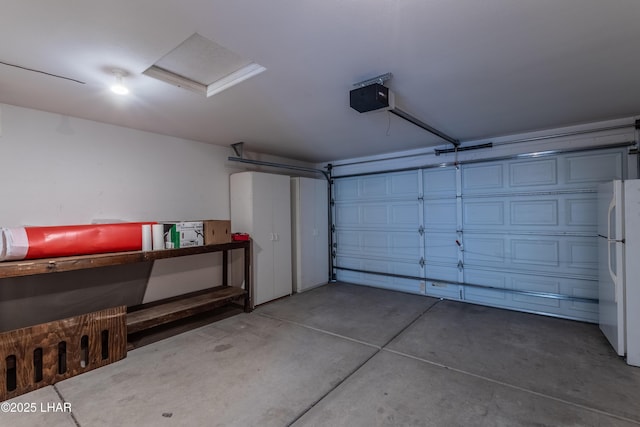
(160,312)
(56,265)
(155,314)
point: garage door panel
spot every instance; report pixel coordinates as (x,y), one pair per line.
(404,183)
(484,250)
(348,215)
(360,263)
(398,215)
(441,247)
(565,171)
(392,283)
(533,173)
(586,311)
(440,214)
(482,178)
(483,213)
(374,186)
(406,244)
(525,225)
(530,302)
(571,287)
(346,189)
(394,245)
(443,290)
(348,241)
(396,283)
(582,212)
(583,255)
(593,168)
(442,281)
(439,183)
(400,185)
(556,213)
(443,272)
(536,252)
(534,213)
(567,255)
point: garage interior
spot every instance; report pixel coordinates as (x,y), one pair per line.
(427,254)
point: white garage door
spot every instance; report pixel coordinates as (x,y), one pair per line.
(517,233)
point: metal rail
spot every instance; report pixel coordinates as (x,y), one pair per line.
(473,285)
(408,117)
(534,154)
(279,165)
(537,138)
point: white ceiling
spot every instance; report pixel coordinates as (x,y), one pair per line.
(469,68)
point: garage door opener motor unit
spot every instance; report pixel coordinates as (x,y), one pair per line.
(371,95)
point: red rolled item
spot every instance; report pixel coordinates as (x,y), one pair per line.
(56,241)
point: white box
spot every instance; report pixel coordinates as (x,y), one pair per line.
(183,234)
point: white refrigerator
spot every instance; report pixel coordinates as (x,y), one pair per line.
(619,266)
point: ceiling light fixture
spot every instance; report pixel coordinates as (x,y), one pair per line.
(118,87)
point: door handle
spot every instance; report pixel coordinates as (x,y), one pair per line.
(610,241)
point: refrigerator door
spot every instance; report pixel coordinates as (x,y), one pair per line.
(632,269)
(611,264)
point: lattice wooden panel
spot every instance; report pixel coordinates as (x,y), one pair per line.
(41,355)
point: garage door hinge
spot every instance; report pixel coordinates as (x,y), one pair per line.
(460,265)
(421,230)
(421,198)
(422,262)
(333,228)
(333,202)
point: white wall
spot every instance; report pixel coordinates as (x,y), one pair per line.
(60,170)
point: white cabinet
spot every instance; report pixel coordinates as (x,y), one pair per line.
(261,206)
(309,219)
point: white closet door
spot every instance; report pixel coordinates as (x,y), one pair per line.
(311,241)
(281,220)
(263,239)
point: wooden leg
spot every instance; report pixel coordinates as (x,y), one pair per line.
(225,268)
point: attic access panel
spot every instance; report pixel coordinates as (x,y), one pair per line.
(203,66)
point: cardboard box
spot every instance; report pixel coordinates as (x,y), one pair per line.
(217,231)
(184,234)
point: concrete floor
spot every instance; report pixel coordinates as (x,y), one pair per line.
(345,355)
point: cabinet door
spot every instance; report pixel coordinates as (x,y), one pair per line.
(313,242)
(281,217)
(263,239)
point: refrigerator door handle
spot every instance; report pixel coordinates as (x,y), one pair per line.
(610,241)
(614,277)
